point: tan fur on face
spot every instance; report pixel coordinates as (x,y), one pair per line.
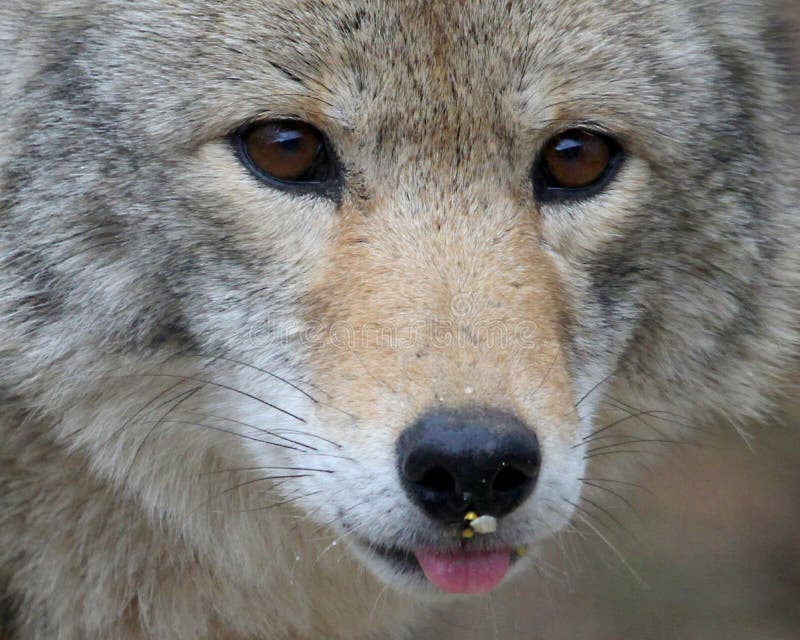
(433,308)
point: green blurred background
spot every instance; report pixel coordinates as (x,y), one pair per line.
(713,533)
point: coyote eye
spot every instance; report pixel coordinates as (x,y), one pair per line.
(576,164)
(288,154)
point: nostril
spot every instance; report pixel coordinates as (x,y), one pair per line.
(439,480)
(510,479)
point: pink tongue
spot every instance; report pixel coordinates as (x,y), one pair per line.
(465,572)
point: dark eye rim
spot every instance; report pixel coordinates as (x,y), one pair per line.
(328,186)
(544,189)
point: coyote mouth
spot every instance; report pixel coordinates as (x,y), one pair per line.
(461,571)
(402,560)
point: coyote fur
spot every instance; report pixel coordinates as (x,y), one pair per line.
(294,293)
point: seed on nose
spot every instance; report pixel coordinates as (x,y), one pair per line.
(484,525)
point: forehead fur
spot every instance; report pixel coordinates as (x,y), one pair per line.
(349,62)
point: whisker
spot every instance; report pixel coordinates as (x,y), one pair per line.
(274,432)
(613,453)
(310,435)
(255,368)
(245,469)
(642,441)
(610,545)
(281,503)
(143,410)
(616,494)
(673,418)
(619,482)
(252,482)
(633,414)
(597,432)
(162,420)
(286,381)
(222,386)
(611,517)
(268,432)
(381,594)
(618,437)
(238,435)
(586,395)
(553,508)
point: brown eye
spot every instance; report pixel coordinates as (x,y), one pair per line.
(576,164)
(287,154)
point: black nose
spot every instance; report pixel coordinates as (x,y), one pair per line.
(481,459)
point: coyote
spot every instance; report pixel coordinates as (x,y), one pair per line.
(309,303)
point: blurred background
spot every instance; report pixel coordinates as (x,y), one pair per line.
(711,549)
(709,543)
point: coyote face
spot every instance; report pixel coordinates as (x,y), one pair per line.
(307,287)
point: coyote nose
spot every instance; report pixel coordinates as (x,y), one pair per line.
(481,460)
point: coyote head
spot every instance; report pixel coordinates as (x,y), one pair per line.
(371,271)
